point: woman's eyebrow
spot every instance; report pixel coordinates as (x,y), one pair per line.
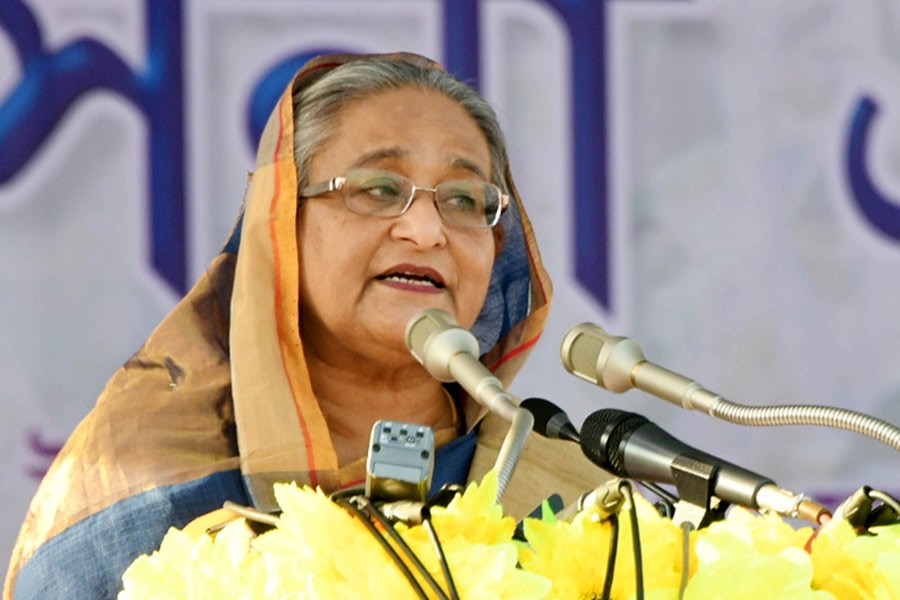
(469,165)
(379,155)
(397,153)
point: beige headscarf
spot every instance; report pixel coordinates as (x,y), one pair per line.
(223,382)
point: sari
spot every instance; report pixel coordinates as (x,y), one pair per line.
(217,404)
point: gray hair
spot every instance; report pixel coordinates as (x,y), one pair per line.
(316,107)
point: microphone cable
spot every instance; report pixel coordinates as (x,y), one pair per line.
(366,511)
(372,511)
(348,504)
(626,490)
(665,506)
(611,557)
(439,551)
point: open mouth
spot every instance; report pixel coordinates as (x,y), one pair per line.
(411,279)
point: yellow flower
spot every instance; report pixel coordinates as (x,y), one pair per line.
(475,515)
(574,555)
(732,569)
(486,572)
(851,566)
(767,533)
(571,554)
(661,552)
(320,549)
(886,554)
(195,568)
(752,556)
(477,540)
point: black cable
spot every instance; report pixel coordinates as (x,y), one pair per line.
(666,505)
(611,558)
(660,491)
(387,547)
(686,528)
(439,550)
(636,542)
(372,511)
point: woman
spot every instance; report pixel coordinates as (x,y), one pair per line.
(381,188)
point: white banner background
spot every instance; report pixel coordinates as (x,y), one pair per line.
(739,256)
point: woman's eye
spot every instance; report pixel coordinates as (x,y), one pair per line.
(462,202)
(382,190)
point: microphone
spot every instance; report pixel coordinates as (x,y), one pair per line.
(618,364)
(629,445)
(400,461)
(450,353)
(551,421)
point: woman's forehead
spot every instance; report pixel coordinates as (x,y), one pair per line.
(407,125)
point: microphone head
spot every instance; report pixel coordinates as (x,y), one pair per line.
(550,420)
(433,337)
(602,434)
(592,354)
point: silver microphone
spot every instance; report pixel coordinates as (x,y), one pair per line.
(618,364)
(450,353)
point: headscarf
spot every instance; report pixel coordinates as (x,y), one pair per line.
(222,382)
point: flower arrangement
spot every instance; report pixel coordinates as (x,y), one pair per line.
(320,550)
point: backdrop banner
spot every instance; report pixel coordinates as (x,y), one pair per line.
(719,181)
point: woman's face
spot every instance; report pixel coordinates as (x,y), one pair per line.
(362,277)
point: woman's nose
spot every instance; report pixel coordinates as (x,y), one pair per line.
(421,223)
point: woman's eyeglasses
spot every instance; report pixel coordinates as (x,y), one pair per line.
(377,193)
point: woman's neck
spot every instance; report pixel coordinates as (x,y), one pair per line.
(353,399)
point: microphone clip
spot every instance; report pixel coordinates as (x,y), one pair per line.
(607,499)
(868,507)
(695,482)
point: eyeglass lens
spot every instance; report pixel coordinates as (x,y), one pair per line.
(461,202)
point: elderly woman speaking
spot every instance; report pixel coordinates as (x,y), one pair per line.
(382,188)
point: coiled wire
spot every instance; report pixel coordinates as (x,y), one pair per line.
(797,414)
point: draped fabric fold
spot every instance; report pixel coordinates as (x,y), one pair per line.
(220,395)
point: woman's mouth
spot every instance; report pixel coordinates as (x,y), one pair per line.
(418,278)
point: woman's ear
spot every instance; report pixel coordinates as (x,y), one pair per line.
(499,233)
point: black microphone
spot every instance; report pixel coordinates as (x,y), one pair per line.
(550,420)
(629,445)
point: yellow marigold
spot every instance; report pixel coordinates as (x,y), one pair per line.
(193,567)
(477,540)
(475,515)
(747,555)
(571,554)
(851,566)
(767,533)
(730,568)
(321,551)
(575,554)
(486,572)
